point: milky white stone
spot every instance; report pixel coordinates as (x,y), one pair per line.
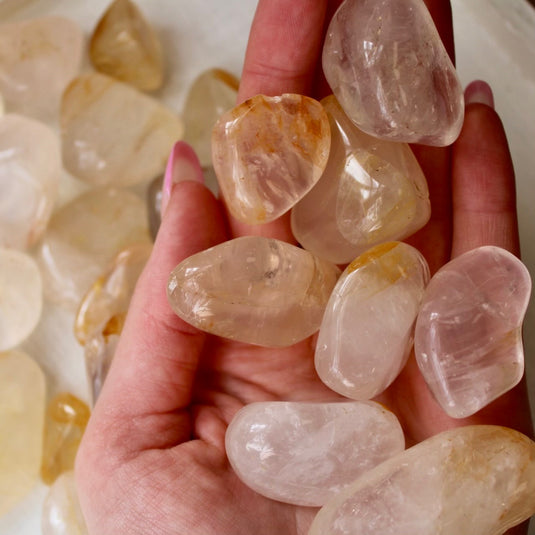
(21,297)
(113,134)
(61,513)
(38,58)
(253,289)
(268,152)
(22,410)
(211,94)
(84,236)
(468,339)
(154,205)
(30,169)
(386,64)
(371,191)
(306,453)
(478,480)
(367,331)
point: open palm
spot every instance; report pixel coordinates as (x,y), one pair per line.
(152,460)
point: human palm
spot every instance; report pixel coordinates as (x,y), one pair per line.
(153,459)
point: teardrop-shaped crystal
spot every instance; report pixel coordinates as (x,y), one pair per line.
(386,64)
(367,330)
(253,289)
(306,453)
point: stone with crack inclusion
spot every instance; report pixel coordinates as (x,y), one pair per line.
(371,191)
(306,453)
(468,340)
(253,289)
(476,479)
(367,330)
(387,66)
(268,152)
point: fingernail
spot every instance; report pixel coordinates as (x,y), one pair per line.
(479,91)
(183,164)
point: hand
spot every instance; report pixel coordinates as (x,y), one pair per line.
(153,460)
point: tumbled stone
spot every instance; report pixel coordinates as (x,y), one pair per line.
(268,152)
(21,297)
(22,408)
(30,170)
(98,355)
(253,289)
(468,339)
(154,205)
(84,236)
(368,328)
(371,191)
(38,58)
(476,479)
(211,94)
(124,45)
(113,134)
(65,423)
(61,514)
(306,453)
(387,66)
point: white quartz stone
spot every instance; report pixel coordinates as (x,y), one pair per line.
(306,453)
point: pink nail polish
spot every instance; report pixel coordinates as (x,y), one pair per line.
(479,91)
(182,164)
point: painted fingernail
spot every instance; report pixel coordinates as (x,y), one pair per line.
(479,91)
(183,164)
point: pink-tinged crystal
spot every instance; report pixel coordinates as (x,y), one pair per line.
(30,169)
(306,453)
(21,297)
(268,153)
(38,58)
(477,479)
(253,289)
(371,191)
(387,66)
(468,340)
(367,331)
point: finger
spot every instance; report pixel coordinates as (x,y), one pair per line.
(152,373)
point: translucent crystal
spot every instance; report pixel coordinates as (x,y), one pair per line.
(21,297)
(371,191)
(253,289)
(84,236)
(367,331)
(61,513)
(306,453)
(212,93)
(387,66)
(30,169)
(154,205)
(65,423)
(98,355)
(468,340)
(113,134)
(268,152)
(38,58)
(477,479)
(22,409)
(125,46)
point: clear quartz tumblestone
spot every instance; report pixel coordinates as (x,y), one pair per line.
(22,409)
(305,453)
(112,134)
(386,64)
(268,152)
(124,45)
(253,289)
(21,297)
(371,191)
(367,330)
(38,58)
(468,340)
(475,479)
(30,169)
